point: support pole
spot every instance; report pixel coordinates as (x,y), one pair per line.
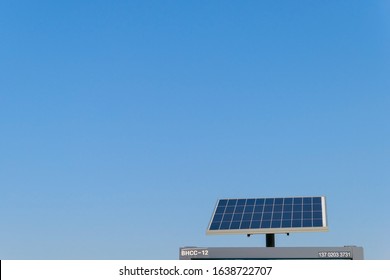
(270,240)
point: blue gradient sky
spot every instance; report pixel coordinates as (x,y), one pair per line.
(122,122)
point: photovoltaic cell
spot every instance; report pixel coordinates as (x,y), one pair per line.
(268,215)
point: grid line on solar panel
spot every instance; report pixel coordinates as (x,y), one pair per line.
(268,213)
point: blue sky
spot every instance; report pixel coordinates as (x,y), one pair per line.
(122,123)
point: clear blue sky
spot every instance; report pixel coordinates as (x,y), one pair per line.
(122,122)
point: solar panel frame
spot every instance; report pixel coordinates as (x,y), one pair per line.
(269,215)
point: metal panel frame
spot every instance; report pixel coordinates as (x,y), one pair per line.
(272,230)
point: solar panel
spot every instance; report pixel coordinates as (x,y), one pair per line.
(268,215)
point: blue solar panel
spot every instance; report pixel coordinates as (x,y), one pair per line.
(269,215)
